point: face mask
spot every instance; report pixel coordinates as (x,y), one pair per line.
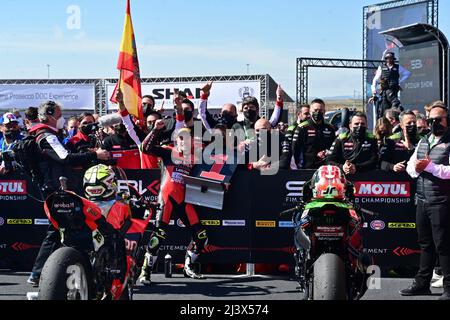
(120,129)
(60,123)
(359,132)
(150,127)
(438,129)
(250,115)
(411,131)
(317,116)
(11,134)
(188,115)
(227,119)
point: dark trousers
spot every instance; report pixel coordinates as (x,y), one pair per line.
(433,227)
(51,242)
(389,99)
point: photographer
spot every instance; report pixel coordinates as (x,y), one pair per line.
(53,161)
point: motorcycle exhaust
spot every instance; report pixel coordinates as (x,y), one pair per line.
(303,239)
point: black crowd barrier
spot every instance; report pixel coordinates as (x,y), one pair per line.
(248,229)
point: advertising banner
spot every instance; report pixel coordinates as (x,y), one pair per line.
(248,229)
(221,93)
(22,96)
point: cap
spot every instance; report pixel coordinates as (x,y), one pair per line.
(9,117)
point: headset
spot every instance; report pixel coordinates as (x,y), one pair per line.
(47,109)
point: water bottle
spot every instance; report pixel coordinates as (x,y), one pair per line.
(168,265)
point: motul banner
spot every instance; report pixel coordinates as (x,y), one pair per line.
(70,96)
(248,229)
(221,93)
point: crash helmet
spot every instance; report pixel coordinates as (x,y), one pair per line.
(328,182)
(100,183)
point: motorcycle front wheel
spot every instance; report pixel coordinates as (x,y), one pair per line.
(65,276)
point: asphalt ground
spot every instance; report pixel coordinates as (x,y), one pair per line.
(13,286)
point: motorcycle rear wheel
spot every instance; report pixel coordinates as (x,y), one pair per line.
(329,278)
(65,276)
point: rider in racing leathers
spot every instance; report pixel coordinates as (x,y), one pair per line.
(178,161)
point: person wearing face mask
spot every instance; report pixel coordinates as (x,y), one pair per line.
(228,114)
(383,130)
(430,165)
(53,161)
(357,150)
(72,128)
(250,110)
(81,141)
(399,147)
(422,125)
(312,138)
(10,135)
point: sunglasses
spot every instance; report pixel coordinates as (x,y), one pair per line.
(434,120)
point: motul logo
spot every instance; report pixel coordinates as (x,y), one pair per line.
(380,189)
(13,187)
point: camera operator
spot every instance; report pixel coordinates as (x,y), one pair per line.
(11,134)
(53,162)
(399,147)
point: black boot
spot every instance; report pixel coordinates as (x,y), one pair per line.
(416,290)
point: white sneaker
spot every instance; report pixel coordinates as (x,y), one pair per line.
(436,277)
(439,283)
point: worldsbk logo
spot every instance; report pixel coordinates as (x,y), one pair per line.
(139,186)
(381,189)
(13,187)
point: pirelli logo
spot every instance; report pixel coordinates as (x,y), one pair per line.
(265,224)
(19,221)
(401,225)
(210,222)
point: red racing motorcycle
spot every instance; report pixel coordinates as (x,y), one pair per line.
(100,257)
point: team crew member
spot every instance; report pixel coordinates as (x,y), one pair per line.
(357,150)
(178,161)
(399,147)
(53,161)
(430,164)
(313,138)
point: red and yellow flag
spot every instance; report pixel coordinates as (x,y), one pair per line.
(128,65)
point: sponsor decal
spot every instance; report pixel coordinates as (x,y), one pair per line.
(401,252)
(210,222)
(20,246)
(19,221)
(285,224)
(153,187)
(233,223)
(41,222)
(377,225)
(322,231)
(2,221)
(180,223)
(9,187)
(294,190)
(265,224)
(401,225)
(382,189)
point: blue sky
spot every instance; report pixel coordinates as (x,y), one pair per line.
(184,38)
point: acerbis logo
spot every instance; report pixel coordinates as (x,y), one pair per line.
(210,222)
(9,187)
(381,189)
(401,225)
(19,221)
(377,225)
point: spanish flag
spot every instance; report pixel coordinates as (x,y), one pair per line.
(128,65)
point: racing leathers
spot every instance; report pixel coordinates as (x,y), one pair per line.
(176,164)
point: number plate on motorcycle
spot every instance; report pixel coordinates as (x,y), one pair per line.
(328,231)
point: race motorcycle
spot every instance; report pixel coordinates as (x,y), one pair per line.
(100,257)
(330,263)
